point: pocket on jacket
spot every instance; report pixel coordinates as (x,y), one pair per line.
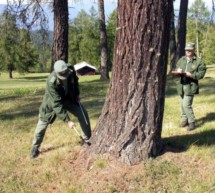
(194,88)
(186,89)
(179,89)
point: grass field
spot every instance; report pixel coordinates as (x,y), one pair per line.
(187,165)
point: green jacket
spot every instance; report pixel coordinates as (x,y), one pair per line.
(53,101)
(190,86)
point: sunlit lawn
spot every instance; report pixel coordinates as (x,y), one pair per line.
(190,168)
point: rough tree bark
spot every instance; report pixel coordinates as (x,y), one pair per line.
(131,121)
(60,47)
(181,29)
(103,41)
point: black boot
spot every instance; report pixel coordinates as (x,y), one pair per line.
(34,152)
(184,123)
(191,127)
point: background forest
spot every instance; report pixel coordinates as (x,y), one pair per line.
(36,45)
(25,50)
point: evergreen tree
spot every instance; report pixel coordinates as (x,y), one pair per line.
(111,33)
(16,51)
(74,45)
(209,51)
(84,38)
(198,19)
(27,54)
(9,42)
(43,45)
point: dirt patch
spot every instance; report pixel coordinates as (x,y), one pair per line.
(103,173)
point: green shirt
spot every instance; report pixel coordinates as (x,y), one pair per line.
(56,94)
(186,85)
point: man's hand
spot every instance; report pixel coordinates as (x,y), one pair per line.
(71,124)
(188,74)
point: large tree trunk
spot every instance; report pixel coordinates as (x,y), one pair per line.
(182,29)
(60,47)
(103,41)
(172,41)
(131,121)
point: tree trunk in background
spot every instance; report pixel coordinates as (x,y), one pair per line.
(103,41)
(182,29)
(197,37)
(213,6)
(10,69)
(60,47)
(131,121)
(172,41)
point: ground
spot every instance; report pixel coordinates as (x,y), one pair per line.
(187,164)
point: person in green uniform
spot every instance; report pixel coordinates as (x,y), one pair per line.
(192,69)
(61,96)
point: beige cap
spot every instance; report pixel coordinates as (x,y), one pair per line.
(190,46)
(61,69)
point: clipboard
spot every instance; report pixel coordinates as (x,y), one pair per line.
(178,73)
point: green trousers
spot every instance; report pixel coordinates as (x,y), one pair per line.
(77,111)
(187,113)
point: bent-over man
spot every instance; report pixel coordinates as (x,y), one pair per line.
(61,96)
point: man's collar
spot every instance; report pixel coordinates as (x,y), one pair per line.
(191,59)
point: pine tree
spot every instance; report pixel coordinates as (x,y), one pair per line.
(131,121)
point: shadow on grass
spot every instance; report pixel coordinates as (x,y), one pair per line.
(170,91)
(11,98)
(208,118)
(94,107)
(19,94)
(28,110)
(181,143)
(96,81)
(43,151)
(16,115)
(33,78)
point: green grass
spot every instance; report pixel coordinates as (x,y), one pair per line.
(187,166)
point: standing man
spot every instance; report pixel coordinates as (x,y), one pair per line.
(61,96)
(192,69)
